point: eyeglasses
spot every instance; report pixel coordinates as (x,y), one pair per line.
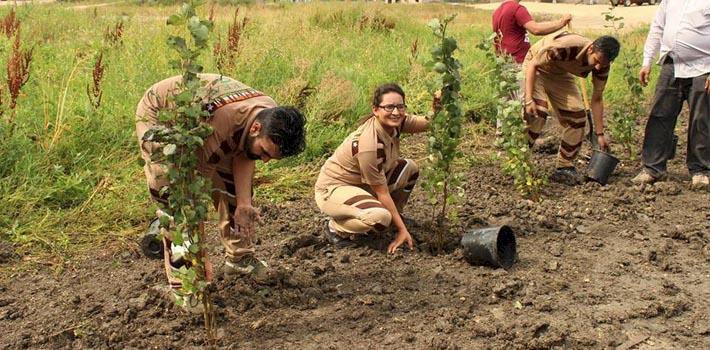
(390,108)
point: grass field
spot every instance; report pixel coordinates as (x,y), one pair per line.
(69,180)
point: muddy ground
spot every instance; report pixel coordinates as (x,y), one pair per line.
(614,267)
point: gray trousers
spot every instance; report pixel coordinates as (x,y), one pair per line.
(668,102)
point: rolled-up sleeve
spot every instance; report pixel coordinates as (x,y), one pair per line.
(414,124)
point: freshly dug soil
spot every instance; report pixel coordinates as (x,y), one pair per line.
(599,267)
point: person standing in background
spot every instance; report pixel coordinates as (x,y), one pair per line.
(680,32)
(511,23)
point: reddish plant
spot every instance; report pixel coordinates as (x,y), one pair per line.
(114,34)
(225,53)
(414,51)
(210,17)
(93,90)
(10,24)
(18,68)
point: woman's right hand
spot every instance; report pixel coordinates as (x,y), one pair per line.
(402,236)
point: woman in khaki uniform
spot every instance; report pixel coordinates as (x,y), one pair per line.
(365,184)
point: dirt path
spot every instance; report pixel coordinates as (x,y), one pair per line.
(44,2)
(587,16)
(19,3)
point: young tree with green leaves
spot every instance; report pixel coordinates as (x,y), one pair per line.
(517,162)
(442,182)
(184,131)
(623,123)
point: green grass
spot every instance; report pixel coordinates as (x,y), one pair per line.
(68,177)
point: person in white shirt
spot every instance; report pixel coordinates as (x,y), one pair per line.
(681,33)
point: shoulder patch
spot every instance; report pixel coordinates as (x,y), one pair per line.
(236,96)
(354,147)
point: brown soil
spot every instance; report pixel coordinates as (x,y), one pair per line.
(599,267)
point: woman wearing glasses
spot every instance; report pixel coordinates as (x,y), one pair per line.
(365,184)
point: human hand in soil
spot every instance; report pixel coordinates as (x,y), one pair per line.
(644,73)
(246,216)
(402,236)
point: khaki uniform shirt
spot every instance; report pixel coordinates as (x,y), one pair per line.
(367,154)
(233,107)
(566,53)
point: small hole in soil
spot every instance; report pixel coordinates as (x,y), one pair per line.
(506,247)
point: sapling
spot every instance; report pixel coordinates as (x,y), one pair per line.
(183,132)
(441,181)
(517,161)
(623,121)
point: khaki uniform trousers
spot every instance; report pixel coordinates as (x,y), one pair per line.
(560,92)
(223,194)
(356,210)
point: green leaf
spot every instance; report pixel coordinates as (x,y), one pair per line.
(177,43)
(169,149)
(439,67)
(434,24)
(174,20)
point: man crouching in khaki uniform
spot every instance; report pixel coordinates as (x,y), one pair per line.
(248,126)
(550,68)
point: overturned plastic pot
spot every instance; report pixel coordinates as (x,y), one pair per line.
(601,166)
(151,243)
(490,246)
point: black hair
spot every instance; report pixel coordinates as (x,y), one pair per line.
(385,89)
(608,46)
(377,97)
(284,125)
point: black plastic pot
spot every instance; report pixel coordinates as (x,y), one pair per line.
(151,244)
(490,246)
(674,145)
(601,166)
